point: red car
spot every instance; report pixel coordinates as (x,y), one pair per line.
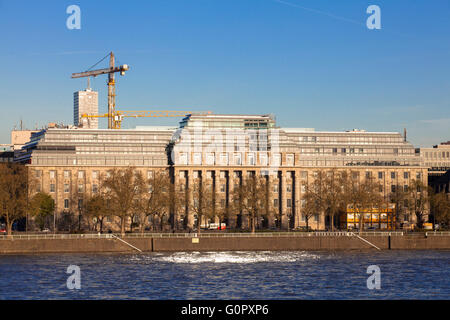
(2,231)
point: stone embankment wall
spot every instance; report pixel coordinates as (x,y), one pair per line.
(250,243)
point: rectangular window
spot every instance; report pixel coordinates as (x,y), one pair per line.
(38,173)
(66,188)
(94,188)
(183,158)
(405,175)
(80,174)
(210,159)
(150,174)
(275,203)
(289,188)
(52,187)
(277,159)
(405,188)
(237,159)
(418,176)
(222,188)
(80,188)
(392,175)
(52,174)
(289,203)
(275,188)
(95,175)
(224,159)
(304,174)
(380,175)
(290,159)
(66,174)
(263,159)
(197,158)
(251,159)
(393,189)
(66,203)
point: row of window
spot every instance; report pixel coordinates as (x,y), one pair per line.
(304,174)
(81,174)
(438,155)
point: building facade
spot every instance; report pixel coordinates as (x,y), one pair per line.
(437,158)
(220,151)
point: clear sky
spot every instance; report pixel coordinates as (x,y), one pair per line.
(312,63)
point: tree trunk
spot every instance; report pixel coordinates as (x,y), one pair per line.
(253,223)
(9,224)
(122,227)
(101,225)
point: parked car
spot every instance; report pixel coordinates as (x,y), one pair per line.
(2,231)
(46,230)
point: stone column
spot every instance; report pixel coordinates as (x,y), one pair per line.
(284,217)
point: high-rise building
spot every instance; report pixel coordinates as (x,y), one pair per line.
(85,102)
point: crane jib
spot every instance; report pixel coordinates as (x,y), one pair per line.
(94,73)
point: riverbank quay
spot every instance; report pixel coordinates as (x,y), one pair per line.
(264,241)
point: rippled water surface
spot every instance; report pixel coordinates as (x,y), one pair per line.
(229,275)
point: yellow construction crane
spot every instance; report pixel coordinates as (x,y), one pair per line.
(119,115)
(111,83)
(114,116)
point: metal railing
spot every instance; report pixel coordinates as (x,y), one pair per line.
(215,235)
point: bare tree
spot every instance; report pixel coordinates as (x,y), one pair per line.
(399,196)
(440,206)
(97,208)
(312,204)
(13,193)
(315,196)
(252,198)
(418,198)
(41,206)
(362,196)
(333,198)
(122,188)
(203,204)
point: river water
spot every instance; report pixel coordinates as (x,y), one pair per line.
(228,275)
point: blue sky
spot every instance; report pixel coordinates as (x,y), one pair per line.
(312,63)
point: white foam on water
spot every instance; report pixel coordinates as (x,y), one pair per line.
(235,257)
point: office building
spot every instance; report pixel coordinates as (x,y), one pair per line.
(220,150)
(85,102)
